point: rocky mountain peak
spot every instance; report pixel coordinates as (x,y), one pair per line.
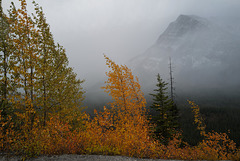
(203,54)
(191,20)
(182,25)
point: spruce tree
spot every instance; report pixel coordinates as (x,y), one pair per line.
(165,118)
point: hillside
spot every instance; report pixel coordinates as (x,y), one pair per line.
(204,58)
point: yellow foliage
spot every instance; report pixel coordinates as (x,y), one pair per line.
(215,146)
(104,135)
(121,129)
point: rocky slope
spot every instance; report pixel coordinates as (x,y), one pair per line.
(205,58)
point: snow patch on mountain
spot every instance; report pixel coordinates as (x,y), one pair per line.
(203,55)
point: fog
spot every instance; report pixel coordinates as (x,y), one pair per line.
(121,29)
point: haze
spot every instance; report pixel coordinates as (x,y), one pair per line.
(121,29)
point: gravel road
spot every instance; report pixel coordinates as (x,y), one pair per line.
(79,158)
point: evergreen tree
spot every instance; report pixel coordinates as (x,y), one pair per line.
(165,118)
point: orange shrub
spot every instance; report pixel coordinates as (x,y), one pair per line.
(121,130)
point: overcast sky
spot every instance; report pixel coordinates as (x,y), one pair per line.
(121,29)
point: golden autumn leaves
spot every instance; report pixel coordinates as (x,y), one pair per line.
(36,83)
(44,97)
(126,118)
(215,146)
(120,129)
(35,76)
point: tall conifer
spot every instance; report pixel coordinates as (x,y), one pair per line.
(164,118)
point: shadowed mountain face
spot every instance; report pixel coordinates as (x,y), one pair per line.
(205,59)
(205,63)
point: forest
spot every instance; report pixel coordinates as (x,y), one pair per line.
(41,108)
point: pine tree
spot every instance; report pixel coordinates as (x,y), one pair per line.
(164,119)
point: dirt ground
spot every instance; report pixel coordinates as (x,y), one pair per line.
(79,158)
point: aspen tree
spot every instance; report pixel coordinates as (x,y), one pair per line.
(4,54)
(42,82)
(25,52)
(44,65)
(124,126)
(24,58)
(65,90)
(5,68)
(59,89)
(128,100)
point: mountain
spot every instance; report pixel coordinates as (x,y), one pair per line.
(204,56)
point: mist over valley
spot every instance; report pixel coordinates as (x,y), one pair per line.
(205,64)
(205,68)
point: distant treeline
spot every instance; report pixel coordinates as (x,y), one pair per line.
(225,120)
(221,119)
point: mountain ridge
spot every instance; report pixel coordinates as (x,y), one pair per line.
(204,55)
(205,62)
